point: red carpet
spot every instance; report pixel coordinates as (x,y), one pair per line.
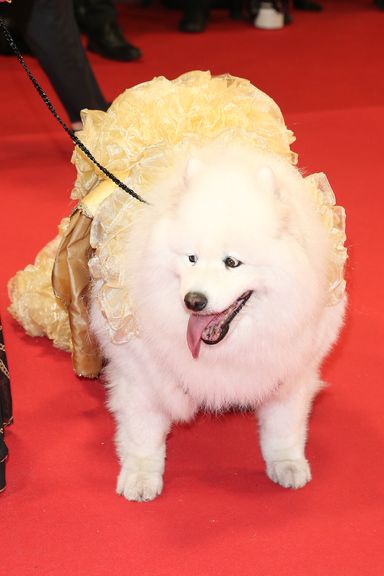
(219,514)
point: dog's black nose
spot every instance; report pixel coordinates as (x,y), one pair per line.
(195,301)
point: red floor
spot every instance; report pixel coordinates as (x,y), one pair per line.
(219,514)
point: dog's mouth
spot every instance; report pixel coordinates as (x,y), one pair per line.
(212,328)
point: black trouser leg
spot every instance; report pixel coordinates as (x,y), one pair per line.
(52,33)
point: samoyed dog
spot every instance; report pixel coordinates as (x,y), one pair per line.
(228,276)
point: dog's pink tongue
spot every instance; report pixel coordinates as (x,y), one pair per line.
(196,326)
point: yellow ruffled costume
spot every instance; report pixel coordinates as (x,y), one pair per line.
(139,138)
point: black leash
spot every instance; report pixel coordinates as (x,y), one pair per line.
(70,132)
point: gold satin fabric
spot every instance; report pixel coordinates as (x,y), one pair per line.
(70,281)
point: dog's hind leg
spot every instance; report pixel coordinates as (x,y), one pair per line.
(283,432)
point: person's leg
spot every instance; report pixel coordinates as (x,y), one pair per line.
(7,14)
(195,16)
(54,37)
(98,20)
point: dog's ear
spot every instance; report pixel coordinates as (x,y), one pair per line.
(266,180)
(194,166)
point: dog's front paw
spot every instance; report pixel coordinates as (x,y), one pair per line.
(289,473)
(139,486)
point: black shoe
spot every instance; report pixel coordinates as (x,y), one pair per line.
(194,23)
(307,5)
(111,44)
(195,16)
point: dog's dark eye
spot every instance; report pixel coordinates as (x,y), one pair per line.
(192,258)
(231,262)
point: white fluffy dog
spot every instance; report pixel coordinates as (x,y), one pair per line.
(228,276)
